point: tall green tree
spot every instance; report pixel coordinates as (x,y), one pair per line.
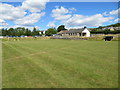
(11,32)
(4,32)
(50,31)
(100,27)
(28,32)
(35,32)
(60,28)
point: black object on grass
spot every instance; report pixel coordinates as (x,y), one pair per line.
(108,38)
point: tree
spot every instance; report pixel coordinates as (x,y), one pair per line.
(60,28)
(11,32)
(50,31)
(21,31)
(100,27)
(106,31)
(4,32)
(35,32)
(27,32)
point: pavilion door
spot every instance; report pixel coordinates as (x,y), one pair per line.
(83,34)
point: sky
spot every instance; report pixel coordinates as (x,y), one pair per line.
(44,15)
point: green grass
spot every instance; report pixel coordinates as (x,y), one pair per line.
(60,64)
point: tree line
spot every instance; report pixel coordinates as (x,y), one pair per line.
(20,31)
(106,31)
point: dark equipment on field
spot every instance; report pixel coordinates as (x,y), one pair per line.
(108,38)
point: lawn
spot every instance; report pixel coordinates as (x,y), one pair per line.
(60,64)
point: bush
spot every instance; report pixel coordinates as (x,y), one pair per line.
(107,31)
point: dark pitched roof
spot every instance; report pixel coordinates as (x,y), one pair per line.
(62,31)
(73,31)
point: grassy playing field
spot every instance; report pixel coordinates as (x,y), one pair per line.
(60,64)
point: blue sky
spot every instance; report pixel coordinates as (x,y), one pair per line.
(52,14)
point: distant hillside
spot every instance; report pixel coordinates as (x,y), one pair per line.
(112,25)
(109,29)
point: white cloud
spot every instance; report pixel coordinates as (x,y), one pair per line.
(31,27)
(80,20)
(29,20)
(51,24)
(9,12)
(1,20)
(117,20)
(60,13)
(105,14)
(60,10)
(73,27)
(18,14)
(3,23)
(115,12)
(72,9)
(34,5)
(62,17)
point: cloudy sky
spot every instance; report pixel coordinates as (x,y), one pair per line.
(43,15)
